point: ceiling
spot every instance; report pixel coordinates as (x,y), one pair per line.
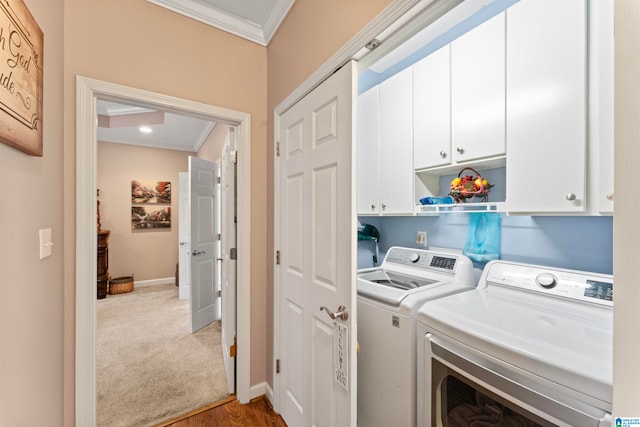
(121,123)
(255,20)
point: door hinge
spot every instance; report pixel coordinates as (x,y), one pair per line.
(277,257)
(219,180)
(219,294)
(278,149)
(232,350)
(277,366)
(233,156)
(233,253)
(219,236)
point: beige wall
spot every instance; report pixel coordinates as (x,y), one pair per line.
(312,32)
(135,43)
(626,233)
(31,290)
(146,254)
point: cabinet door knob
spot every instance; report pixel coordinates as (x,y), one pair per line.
(373,207)
(571,196)
(443,154)
(610,196)
(460,150)
(384,206)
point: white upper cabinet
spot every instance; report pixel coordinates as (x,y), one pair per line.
(432,110)
(396,144)
(601,135)
(368,147)
(546,106)
(385,147)
(478,90)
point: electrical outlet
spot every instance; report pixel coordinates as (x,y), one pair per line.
(421,238)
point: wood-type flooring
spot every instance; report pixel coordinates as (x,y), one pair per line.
(230,413)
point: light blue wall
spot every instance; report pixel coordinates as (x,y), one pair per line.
(578,243)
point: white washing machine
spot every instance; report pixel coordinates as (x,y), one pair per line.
(531,345)
(388,298)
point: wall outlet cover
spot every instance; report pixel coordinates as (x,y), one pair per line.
(421,238)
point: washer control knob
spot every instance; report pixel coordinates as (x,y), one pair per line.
(546,280)
(414,257)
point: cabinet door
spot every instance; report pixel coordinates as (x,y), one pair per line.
(601,105)
(546,110)
(432,110)
(478,91)
(368,163)
(396,144)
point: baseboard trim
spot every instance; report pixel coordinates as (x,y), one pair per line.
(268,391)
(155,282)
(257,390)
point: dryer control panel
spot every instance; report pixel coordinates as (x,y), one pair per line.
(577,285)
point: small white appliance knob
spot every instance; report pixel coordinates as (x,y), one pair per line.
(546,280)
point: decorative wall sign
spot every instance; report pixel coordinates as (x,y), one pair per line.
(21,59)
(147,217)
(150,191)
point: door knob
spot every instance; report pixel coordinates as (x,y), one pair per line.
(342,313)
(196,253)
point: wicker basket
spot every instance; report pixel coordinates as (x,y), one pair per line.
(120,285)
(464,194)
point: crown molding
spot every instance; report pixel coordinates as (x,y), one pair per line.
(255,32)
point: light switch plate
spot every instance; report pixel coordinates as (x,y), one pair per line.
(46,244)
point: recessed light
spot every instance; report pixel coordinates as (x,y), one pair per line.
(145,129)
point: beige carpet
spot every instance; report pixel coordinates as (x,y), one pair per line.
(149,368)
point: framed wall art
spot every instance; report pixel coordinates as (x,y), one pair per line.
(150,192)
(21,60)
(150,217)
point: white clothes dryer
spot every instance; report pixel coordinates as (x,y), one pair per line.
(531,345)
(388,298)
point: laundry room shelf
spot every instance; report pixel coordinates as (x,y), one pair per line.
(460,208)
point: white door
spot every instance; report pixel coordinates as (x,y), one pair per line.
(228,261)
(184,221)
(203,202)
(317,239)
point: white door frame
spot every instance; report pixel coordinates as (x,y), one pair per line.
(87,91)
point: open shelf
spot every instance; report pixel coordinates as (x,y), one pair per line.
(460,208)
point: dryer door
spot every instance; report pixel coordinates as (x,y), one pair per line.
(466,384)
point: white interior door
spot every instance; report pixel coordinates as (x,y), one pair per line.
(316,235)
(228,267)
(184,248)
(203,296)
